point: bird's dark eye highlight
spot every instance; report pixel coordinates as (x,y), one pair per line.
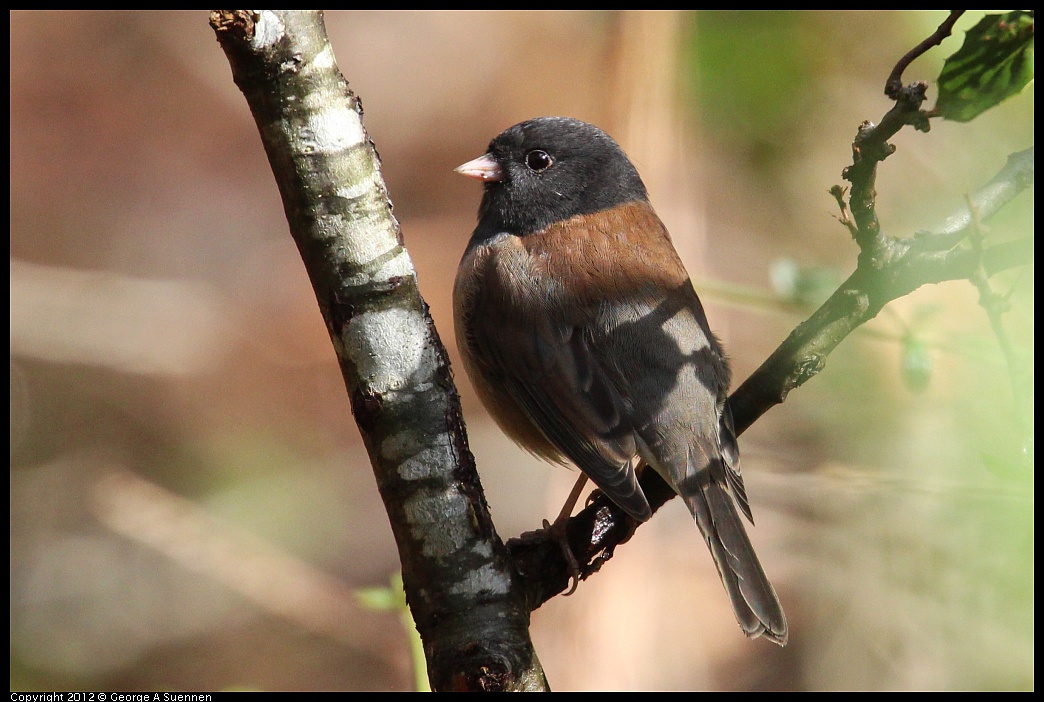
(538,160)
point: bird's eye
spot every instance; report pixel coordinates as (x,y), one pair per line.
(538,160)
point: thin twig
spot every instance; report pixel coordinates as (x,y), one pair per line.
(894,84)
(1002,188)
(871,146)
(995,306)
(838,193)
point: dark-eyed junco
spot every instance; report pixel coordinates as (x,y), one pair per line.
(584,338)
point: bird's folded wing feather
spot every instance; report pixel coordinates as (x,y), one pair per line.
(550,371)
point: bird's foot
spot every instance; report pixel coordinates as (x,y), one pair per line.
(556,532)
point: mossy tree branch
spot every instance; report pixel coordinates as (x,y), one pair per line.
(456,572)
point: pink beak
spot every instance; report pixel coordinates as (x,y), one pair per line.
(483,168)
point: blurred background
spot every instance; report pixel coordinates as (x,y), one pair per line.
(191,504)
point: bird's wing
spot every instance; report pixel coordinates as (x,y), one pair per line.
(550,370)
(731,460)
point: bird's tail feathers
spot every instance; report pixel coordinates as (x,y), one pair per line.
(753,599)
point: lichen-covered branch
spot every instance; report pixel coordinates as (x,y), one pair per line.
(456,573)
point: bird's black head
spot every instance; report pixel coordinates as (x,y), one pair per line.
(551,169)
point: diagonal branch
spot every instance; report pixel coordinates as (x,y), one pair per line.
(456,573)
(910,263)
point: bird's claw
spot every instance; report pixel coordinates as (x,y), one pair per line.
(557,532)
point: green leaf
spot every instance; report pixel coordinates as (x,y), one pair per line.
(995,62)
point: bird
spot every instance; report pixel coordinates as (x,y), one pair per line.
(584,338)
